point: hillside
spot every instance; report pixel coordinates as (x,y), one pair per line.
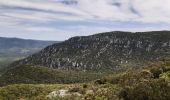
(104,51)
(39,75)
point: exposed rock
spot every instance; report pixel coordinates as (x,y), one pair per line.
(89,92)
(60,93)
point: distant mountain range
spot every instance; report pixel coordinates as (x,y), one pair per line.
(104,51)
(12,49)
(8,43)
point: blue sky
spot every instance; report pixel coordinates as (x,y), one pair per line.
(62,19)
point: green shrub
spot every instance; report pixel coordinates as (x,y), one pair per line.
(70,97)
(101,81)
(28,74)
(151,90)
(85,86)
(76,89)
(156,71)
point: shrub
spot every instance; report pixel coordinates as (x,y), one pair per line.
(69,97)
(156,71)
(151,90)
(85,86)
(77,89)
(100,81)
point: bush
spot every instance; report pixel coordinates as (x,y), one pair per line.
(156,71)
(85,86)
(22,91)
(100,81)
(77,89)
(69,97)
(151,90)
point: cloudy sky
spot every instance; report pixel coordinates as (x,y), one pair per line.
(62,19)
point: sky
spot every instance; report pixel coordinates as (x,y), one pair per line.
(62,19)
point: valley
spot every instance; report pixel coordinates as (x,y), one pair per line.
(8,56)
(13,49)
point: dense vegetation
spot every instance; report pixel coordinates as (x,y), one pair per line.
(150,83)
(22,91)
(38,74)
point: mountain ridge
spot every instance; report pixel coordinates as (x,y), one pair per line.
(110,50)
(7,43)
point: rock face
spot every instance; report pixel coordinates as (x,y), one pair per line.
(103,51)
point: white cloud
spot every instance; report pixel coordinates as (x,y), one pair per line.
(153,10)
(150,10)
(21,15)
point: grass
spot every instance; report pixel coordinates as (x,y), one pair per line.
(40,91)
(27,91)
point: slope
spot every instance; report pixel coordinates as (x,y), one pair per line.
(105,51)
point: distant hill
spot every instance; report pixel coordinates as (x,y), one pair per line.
(8,43)
(12,49)
(104,51)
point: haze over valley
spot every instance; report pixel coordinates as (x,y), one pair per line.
(13,49)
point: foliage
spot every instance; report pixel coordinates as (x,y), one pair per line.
(37,74)
(153,88)
(25,91)
(150,90)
